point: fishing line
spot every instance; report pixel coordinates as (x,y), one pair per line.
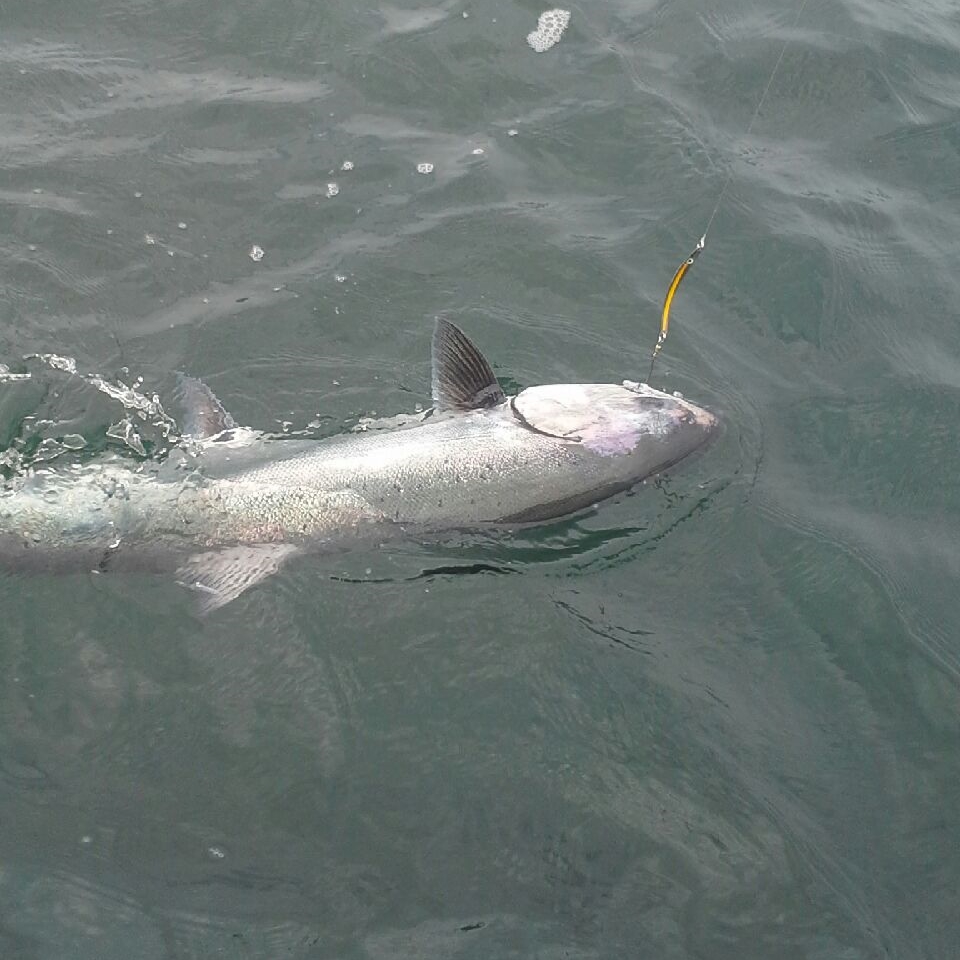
(701,243)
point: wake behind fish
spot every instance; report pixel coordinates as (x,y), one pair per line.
(144,427)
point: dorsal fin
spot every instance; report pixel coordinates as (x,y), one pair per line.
(462,378)
(205,415)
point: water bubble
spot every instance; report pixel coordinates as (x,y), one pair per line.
(550,27)
(48,449)
(332,189)
(512,132)
(11,460)
(256,253)
(424,168)
(54,361)
(216,852)
(181,225)
(340,277)
(126,432)
(6,376)
(150,239)
(477,151)
(346,165)
(138,194)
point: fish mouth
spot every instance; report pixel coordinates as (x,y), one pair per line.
(684,427)
(685,411)
(691,413)
(696,426)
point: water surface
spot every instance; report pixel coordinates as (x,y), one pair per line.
(715,718)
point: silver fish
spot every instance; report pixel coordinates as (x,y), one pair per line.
(248,503)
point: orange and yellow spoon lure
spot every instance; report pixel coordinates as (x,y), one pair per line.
(668,300)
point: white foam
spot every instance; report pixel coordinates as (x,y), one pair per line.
(550,27)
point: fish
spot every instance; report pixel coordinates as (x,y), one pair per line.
(227,514)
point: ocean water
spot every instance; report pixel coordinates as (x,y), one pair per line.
(715,718)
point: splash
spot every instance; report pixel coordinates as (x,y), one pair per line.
(146,423)
(550,27)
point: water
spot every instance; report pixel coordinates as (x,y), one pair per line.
(716,718)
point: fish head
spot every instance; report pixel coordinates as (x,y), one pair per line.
(641,430)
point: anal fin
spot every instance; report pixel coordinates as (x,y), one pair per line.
(219,576)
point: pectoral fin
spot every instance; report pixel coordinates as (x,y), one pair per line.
(220,576)
(204,414)
(462,378)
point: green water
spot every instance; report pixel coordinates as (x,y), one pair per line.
(716,718)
